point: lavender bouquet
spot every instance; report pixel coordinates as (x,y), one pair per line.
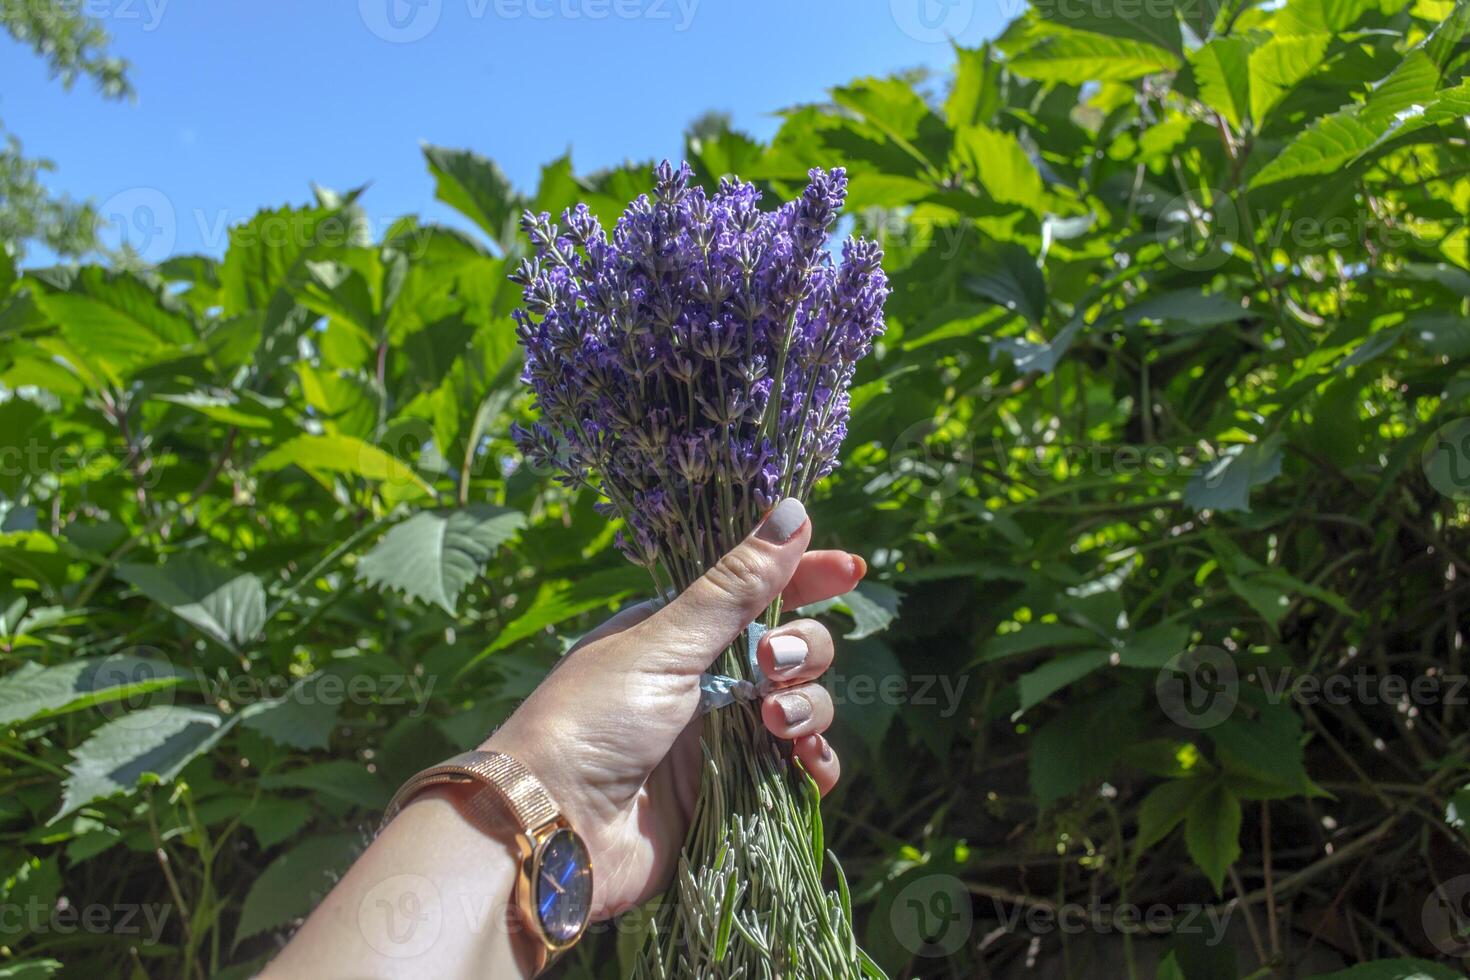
(693,370)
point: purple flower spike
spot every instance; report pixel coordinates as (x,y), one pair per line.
(692,366)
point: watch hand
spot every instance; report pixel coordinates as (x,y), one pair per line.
(546,877)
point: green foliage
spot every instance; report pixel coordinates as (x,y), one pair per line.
(73,45)
(1164,424)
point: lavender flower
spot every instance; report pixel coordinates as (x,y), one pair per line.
(694,367)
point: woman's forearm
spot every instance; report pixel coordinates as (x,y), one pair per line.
(611,740)
(429,897)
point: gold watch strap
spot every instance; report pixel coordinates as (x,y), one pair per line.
(511,788)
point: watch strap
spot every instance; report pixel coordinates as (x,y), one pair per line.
(510,789)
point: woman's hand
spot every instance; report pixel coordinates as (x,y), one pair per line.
(613,732)
(613,735)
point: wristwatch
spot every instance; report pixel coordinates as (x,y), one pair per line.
(554,884)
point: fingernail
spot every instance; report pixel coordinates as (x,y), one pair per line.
(794,708)
(859,566)
(826,749)
(783,522)
(787,652)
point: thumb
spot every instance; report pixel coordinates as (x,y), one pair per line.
(691,631)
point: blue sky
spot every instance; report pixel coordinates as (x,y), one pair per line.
(241,103)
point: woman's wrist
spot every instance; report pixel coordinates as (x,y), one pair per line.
(482,875)
(431,896)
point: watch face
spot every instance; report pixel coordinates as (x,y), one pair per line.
(563,887)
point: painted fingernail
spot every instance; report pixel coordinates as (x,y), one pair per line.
(794,708)
(783,522)
(788,652)
(826,749)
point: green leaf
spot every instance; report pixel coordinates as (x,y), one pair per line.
(1400,969)
(1006,173)
(35,691)
(226,606)
(892,107)
(1222,73)
(1169,969)
(1320,16)
(1278,65)
(1268,599)
(294,882)
(1264,744)
(346,403)
(272,821)
(1155,24)
(340,779)
(1010,277)
(1035,636)
(337,290)
(1227,483)
(558,601)
(1039,684)
(155,742)
(976,94)
(478,189)
(1072,55)
(119,320)
(1155,647)
(1326,146)
(869,669)
(262,253)
(244,410)
(36,884)
(1081,744)
(1188,308)
(872,605)
(1165,807)
(1337,140)
(302,718)
(1441,43)
(347,454)
(29,970)
(1412,83)
(434,555)
(1042,357)
(1212,833)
